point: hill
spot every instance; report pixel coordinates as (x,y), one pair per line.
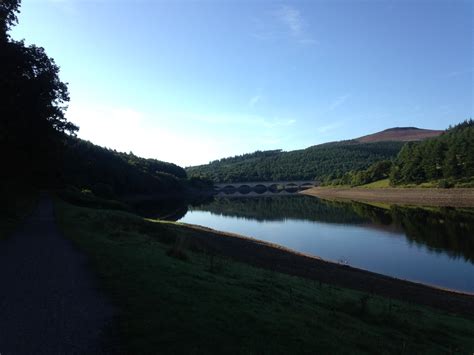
(400,134)
(319,162)
(326,161)
(109,173)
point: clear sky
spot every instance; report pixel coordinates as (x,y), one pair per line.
(194,81)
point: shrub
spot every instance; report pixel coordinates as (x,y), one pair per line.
(445,184)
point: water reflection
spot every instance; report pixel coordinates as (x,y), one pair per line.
(165,209)
(441,230)
(434,246)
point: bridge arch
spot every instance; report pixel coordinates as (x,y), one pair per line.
(244,189)
(260,188)
(291,187)
(229,189)
(276,188)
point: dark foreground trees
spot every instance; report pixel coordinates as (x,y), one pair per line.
(32,107)
(37,143)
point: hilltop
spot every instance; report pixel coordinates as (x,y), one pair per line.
(400,134)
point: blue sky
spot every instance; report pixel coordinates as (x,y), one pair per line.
(194,81)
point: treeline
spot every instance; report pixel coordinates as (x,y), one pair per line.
(320,162)
(446,159)
(377,171)
(109,173)
(449,156)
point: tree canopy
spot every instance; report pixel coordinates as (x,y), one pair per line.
(320,162)
(449,156)
(33,105)
(8,16)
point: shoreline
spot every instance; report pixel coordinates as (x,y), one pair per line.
(277,258)
(428,197)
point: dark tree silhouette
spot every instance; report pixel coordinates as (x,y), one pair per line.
(32,107)
(8,18)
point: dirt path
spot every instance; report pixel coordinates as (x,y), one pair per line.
(404,196)
(49,303)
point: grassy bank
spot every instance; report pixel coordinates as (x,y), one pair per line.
(176,299)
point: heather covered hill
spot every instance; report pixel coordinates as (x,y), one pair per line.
(400,134)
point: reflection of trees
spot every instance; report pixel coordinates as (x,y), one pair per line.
(167,209)
(279,208)
(442,230)
(170,209)
(446,230)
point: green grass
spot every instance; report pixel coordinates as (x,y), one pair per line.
(380,184)
(195,304)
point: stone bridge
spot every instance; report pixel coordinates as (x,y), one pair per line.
(266,185)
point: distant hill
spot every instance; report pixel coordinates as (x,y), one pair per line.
(400,134)
(320,162)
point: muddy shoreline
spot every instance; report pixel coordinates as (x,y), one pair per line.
(456,197)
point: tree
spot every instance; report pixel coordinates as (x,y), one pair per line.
(8,18)
(32,107)
(451,155)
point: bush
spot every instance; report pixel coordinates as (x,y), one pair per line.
(445,184)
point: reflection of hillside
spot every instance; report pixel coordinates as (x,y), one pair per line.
(444,230)
(278,208)
(166,209)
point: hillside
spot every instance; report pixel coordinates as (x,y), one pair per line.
(400,134)
(320,162)
(449,156)
(109,173)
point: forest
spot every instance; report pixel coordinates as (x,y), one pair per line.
(320,162)
(108,173)
(447,160)
(449,156)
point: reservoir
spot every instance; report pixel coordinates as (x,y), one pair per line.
(433,246)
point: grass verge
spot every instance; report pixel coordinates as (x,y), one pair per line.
(380,184)
(176,300)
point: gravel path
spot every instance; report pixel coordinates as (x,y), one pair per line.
(49,302)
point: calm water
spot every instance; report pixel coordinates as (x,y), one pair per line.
(434,247)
